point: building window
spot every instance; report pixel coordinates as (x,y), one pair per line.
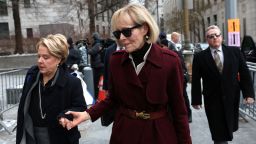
(4,31)
(29,33)
(27,4)
(244,26)
(3,8)
(97,28)
(215,18)
(104,30)
(208,21)
(103,19)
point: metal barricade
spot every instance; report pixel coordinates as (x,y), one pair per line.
(11,84)
(246,109)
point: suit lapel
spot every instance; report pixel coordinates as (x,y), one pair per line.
(227,60)
(209,59)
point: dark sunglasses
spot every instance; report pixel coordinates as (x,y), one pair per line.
(127,32)
(213,36)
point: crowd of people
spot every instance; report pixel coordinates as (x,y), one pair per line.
(145,79)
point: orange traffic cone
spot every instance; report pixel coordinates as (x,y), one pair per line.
(102,93)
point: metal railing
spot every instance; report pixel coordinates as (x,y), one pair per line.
(246,109)
(11,83)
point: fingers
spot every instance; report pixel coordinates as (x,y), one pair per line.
(63,122)
(249,100)
(197,106)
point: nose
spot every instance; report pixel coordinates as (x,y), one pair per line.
(122,36)
(39,59)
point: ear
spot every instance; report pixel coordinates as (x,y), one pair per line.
(145,29)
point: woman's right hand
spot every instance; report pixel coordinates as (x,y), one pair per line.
(78,117)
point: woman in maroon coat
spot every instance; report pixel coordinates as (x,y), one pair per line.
(145,86)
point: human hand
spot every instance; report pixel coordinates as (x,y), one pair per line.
(63,121)
(197,106)
(248,100)
(78,117)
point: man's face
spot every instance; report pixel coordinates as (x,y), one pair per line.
(214,38)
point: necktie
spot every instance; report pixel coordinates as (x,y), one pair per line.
(218,61)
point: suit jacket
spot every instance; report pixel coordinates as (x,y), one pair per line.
(156,87)
(221,91)
(66,94)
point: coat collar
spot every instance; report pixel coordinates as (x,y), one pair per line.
(154,61)
(155,56)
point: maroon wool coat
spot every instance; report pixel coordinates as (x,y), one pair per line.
(158,86)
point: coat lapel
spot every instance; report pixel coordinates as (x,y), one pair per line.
(129,71)
(227,60)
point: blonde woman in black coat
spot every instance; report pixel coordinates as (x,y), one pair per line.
(48,92)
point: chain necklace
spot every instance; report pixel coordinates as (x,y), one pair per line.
(40,102)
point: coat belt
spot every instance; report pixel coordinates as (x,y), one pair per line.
(134,114)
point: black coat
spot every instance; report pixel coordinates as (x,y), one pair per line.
(221,91)
(66,94)
(109,52)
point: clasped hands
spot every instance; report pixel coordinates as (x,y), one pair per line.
(78,117)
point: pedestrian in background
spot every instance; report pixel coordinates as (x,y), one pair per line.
(175,39)
(74,56)
(108,116)
(48,92)
(145,85)
(96,62)
(224,73)
(164,43)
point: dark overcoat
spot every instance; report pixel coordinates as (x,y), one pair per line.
(221,91)
(156,87)
(66,94)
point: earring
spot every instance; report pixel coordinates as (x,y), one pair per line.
(146,37)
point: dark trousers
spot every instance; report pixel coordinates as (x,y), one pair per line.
(185,95)
(97,72)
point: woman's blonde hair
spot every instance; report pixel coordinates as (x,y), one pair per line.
(140,15)
(57,46)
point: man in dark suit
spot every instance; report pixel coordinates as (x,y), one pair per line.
(223,74)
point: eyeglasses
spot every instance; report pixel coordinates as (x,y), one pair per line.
(213,36)
(127,32)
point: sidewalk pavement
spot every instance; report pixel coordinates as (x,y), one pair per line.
(94,133)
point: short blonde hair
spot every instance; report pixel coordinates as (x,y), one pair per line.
(57,46)
(140,15)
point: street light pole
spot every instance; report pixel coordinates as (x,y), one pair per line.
(231,12)
(188,57)
(186,25)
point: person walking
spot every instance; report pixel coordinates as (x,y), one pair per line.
(74,56)
(164,43)
(175,38)
(145,86)
(224,72)
(96,62)
(49,91)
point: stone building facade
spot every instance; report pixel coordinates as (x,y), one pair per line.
(209,12)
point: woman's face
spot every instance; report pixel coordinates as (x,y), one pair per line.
(137,38)
(46,62)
